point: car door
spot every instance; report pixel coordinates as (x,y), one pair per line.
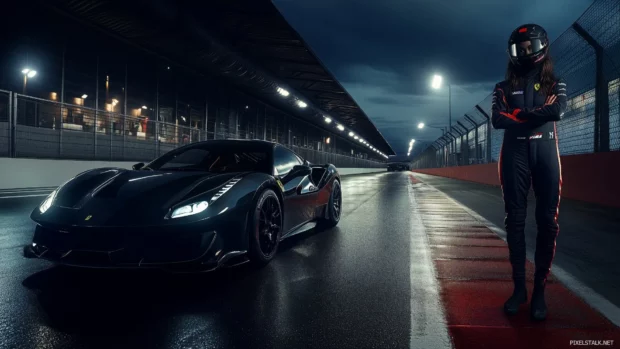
(297,190)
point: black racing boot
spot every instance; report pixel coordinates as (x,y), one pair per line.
(538,307)
(519,296)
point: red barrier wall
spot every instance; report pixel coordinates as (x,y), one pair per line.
(588,177)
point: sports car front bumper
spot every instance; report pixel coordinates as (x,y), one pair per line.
(190,247)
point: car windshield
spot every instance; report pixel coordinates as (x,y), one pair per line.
(212,159)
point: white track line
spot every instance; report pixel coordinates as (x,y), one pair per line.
(428,322)
(595,300)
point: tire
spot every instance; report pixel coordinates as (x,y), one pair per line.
(334,207)
(265,228)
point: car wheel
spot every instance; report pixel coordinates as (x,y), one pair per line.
(334,207)
(265,228)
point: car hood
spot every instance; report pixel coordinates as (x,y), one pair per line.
(120,197)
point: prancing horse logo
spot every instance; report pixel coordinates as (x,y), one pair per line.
(88,217)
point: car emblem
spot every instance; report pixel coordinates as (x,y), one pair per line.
(280,184)
(88,217)
(537,86)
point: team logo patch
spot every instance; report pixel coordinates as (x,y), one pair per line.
(536,86)
(517,93)
(536,136)
(88,217)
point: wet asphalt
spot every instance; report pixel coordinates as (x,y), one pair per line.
(347,287)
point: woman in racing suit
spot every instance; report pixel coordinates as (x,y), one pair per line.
(527,105)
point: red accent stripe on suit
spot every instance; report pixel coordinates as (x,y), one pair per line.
(557,209)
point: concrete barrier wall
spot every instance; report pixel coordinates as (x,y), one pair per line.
(34,173)
(586,177)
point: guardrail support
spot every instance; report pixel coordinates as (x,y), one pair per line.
(601,92)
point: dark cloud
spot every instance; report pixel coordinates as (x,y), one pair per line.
(385,52)
(383,100)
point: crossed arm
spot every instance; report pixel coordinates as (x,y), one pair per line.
(504,117)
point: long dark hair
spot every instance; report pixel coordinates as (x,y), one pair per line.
(547,77)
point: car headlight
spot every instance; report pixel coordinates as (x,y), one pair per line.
(189,210)
(48,202)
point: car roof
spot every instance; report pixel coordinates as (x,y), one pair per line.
(253,143)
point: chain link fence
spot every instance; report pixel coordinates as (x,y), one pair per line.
(38,128)
(587,56)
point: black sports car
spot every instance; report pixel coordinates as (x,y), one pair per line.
(397,166)
(196,208)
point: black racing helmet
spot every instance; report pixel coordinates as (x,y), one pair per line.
(528,45)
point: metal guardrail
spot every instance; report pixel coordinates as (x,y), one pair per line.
(38,128)
(587,56)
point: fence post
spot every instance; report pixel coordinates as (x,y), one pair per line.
(601,99)
(111,141)
(95,137)
(12,112)
(124,119)
(157,137)
(489,139)
(96,110)
(464,148)
(475,136)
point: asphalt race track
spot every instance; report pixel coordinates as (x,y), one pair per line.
(399,271)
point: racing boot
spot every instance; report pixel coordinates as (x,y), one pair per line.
(519,296)
(515,228)
(538,307)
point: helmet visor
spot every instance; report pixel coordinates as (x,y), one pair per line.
(526,48)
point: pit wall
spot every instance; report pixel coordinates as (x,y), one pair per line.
(592,178)
(36,173)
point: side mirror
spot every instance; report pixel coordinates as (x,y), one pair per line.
(138,166)
(299,170)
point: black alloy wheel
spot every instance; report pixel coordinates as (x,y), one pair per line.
(265,228)
(269,225)
(337,200)
(334,207)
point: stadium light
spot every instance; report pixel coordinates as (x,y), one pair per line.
(436,81)
(421,125)
(144,107)
(355,137)
(340,127)
(84,96)
(301,104)
(351,134)
(328,120)
(361,140)
(283,92)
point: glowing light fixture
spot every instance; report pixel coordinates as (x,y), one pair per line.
(437,79)
(283,92)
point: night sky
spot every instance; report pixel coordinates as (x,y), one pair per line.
(386,52)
